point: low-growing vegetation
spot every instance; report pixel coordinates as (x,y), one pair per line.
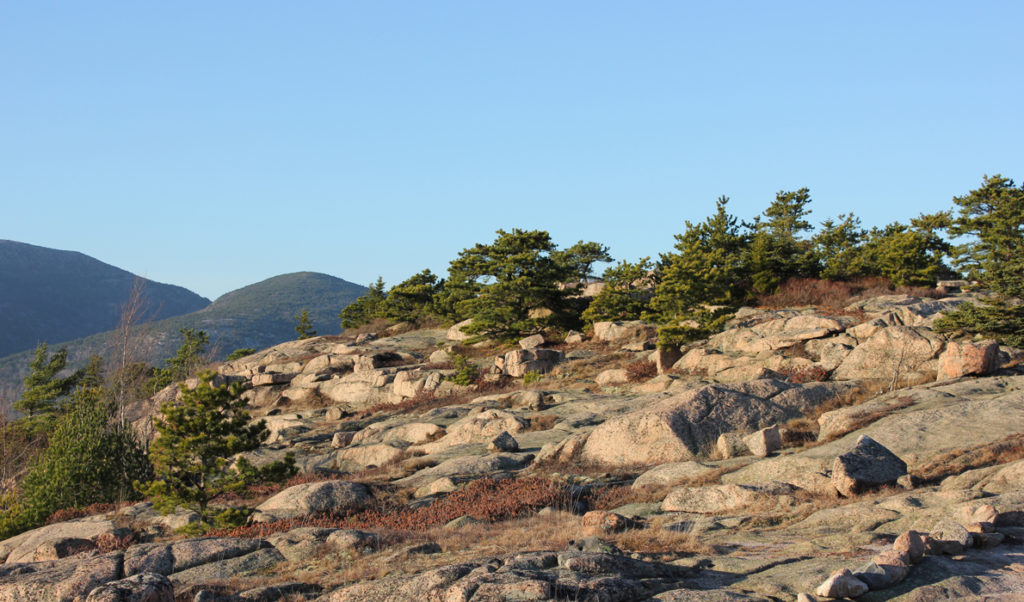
(1002,451)
(486,499)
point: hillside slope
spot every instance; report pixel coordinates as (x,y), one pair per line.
(52,295)
(612,472)
(257,316)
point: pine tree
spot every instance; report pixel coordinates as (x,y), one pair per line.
(906,255)
(992,217)
(626,294)
(90,458)
(304,327)
(777,253)
(703,280)
(579,259)
(837,247)
(515,276)
(412,299)
(366,308)
(44,389)
(196,438)
(186,361)
(708,268)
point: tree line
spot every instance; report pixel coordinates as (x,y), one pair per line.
(522,283)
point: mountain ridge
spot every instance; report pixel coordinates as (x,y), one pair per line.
(258,315)
(57,295)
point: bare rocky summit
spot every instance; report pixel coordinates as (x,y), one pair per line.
(795,455)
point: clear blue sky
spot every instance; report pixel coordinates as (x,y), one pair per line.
(215,144)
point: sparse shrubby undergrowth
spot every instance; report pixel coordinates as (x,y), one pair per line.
(486,499)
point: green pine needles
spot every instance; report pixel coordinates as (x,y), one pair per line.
(304,326)
(90,458)
(197,436)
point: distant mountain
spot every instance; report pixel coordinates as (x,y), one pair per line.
(51,295)
(259,315)
(263,314)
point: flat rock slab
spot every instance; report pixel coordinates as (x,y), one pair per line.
(468,466)
(312,498)
(166,559)
(64,580)
(672,473)
(942,417)
(535,576)
(22,548)
(710,500)
(240,566)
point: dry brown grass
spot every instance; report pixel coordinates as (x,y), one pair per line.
(669,544)
(609,498)
(805,374)
(542,422)
(1007,449)
(803,431)
(535,533)
(486,499)
(865,419)
(641,370)
(67,514)
(581,467)
(605,357)
(109,542)
(834,296)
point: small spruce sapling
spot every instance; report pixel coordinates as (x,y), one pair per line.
(304,327)
(197,436)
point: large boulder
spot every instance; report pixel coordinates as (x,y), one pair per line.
(455,332)
(411,433)
(312,498)
(357,389)
(467,466)
(477,428)
(23,547)
(774,334)
(363,456)
(622,332)
(179,556)
(284,426)
(65,580)
(704,362)
(300,544)
(892,353)
(613,376)
(714,499)
(842,584)
(678,428)
(966,358)
(764,442)
(520,361)
(868,465)
(829,353)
